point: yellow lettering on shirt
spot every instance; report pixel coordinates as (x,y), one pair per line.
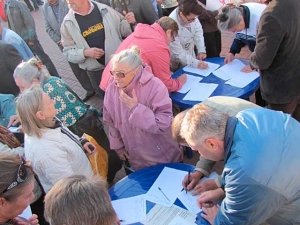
(92,29)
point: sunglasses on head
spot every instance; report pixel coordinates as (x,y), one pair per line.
(20,176)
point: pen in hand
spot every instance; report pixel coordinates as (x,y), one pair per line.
(188,181)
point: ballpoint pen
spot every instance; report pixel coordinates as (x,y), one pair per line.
(188,181)
(163,193)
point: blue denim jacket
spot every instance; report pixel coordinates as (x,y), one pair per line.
(11,37)
(261,172)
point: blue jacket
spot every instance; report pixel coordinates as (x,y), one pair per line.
(261,172)
(11,37)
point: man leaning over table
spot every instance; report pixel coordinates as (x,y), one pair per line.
(258,146)
(228,105)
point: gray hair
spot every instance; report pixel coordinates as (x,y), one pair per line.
(30,70)
(229,17)
(130,57)
(202,122)
(28,104)
(79,200)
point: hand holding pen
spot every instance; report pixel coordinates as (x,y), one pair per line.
(191,180)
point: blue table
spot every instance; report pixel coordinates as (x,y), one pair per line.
(222,90)
(140,182)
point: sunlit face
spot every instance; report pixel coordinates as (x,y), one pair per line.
(239,27)
(48,109)
(123,74)
(76,5)
(22,84)
(11,209)
(188,18)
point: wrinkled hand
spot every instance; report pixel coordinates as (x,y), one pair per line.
(205,186)
(122,153)
(202,65)
(194,179)
(89,148)
(228,58)
(129,17)
(182,78)
(207,198)
(247,69)
(33,220)
(13,121)
(201,56)
(95,53)
(210,213)
(127,100)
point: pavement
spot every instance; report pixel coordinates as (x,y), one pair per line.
(67,75)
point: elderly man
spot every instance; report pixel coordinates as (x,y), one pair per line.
(91,32)
(54,12)
(276,55)
(153,42)
(255,190)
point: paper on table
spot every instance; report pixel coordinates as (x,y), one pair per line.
(27,213)
(161,215)
(200,92)
(203,72)
(124,209)
(229,70)
(167,187)
(242,79)
(189,200)
(190,82)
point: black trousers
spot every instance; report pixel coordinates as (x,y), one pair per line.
(213,43)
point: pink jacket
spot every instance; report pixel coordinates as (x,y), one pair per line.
(145,130)
(155,52)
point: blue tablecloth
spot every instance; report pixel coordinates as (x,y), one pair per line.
(222,90)
(140,182)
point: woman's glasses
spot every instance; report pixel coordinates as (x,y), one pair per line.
(20,177)
(121,74)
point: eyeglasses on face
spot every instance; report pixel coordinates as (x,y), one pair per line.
(20,176)
(189,19)
(121,74)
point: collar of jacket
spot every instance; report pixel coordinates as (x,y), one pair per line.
(140,79)
(229,133)
(246,16)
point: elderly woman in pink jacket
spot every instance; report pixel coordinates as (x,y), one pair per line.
(138,111)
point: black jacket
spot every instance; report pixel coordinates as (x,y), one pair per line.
(277,51)
(9,60)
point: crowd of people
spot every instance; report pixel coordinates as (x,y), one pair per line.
(124,52)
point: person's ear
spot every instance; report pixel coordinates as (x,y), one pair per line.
(2,202)
(211,143)
(169,33)
(40,115)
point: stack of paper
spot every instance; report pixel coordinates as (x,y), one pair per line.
(174,215)
(124,206)
(190,82)
(202,72)
(233,75)
(200,92)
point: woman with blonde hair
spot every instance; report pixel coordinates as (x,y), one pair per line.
(79,117)
(53,150)
(138,111)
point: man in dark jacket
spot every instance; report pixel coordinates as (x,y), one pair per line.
(276,55)
(9,60)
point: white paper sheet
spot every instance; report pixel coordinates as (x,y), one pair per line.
(130,210)
(167,187)
(200,92)
(242,79)
(27,213)
(174,215)
(203,72)
(189,201)
(190,82)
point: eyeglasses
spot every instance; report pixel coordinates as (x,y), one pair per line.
(20,177)
(121,74)
(188,19)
